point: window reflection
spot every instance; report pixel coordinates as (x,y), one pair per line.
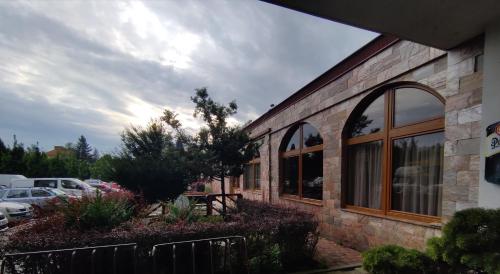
(291,175)
(417,174)
(294,141)
(371,120)
(312,175)
(414,105)
(311,136)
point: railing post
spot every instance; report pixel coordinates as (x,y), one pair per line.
(209,205)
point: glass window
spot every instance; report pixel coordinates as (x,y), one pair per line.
(311,136)
(248,176)
(291,175)
(417,174)
(40,193)
(67,184)
(46,183)
(17,193)
(294,141)
(371,120)
(257,176)
(415,105)
(398,170)
(365,174)
(312,175)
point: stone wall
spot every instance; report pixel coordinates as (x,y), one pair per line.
(454,75)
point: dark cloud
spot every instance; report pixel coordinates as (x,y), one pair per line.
(92,68)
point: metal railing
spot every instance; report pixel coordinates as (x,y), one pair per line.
(202,255)
(212,255)
(73,260)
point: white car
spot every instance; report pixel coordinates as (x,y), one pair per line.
(3,222)
(16,211)
(71,186)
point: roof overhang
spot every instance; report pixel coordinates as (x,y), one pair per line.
(442,24)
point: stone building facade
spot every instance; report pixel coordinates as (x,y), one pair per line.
(328,102)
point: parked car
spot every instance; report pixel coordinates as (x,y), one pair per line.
(3,222)
(70,186)
(16,211)
(36,196)
(101,185)
(6,179)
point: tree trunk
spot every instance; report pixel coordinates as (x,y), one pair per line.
(223,191)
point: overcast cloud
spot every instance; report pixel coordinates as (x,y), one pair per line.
(93,68)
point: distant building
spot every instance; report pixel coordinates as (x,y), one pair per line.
(59,150)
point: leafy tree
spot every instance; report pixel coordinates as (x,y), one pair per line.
(103,168)
(82,149)
(37,164)
(151,163)
(12,162)
(3,148)
(221,149)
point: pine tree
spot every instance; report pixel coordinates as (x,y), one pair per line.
(83,149)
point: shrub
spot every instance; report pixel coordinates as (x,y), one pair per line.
(470,241)
(274,235)
(97,212)
(392,259)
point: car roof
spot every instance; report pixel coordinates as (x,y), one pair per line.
(26,188)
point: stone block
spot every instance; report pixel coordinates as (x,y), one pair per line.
(471,114)
(468,146)
(458,132)
(467,178)
(474,162)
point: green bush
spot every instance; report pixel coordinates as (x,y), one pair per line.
(97,212)
(470,242)
(392,259)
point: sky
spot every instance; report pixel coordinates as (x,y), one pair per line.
(69,68)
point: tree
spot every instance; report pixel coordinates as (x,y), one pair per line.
(12,161)
(104,168)
(151,163)
(82,149)
(221,149)
(37,164)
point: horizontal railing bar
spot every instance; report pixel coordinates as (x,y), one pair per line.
(200,240)
(67,250)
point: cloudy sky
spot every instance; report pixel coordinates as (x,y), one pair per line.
(69,68)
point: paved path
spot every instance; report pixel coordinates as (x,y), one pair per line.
(335,255)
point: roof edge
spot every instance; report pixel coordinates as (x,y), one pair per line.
(360,56)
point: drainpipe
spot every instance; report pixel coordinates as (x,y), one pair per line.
(269,170)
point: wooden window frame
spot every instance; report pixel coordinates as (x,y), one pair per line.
(297,153)
(251,187)
(387,136)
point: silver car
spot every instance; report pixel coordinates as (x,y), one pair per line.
(3,222)
(36,196)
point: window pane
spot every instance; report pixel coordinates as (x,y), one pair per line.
(312,175)
(18,193)
(415,105)
(372,119)
(69,184)
(248,177)
(417,172)
(257,176)
(291,175)
(294,141)
(39,193)
(364,186)
(46,183)
(311,136)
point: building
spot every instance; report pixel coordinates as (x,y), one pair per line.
(386,145)
(59,150)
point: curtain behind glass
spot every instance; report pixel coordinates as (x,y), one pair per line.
(417,174)
(364,174)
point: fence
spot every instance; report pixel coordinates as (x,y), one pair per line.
(213,202)
(214,255)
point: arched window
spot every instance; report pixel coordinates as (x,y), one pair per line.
(251,172)
(394,154)
(302,163)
